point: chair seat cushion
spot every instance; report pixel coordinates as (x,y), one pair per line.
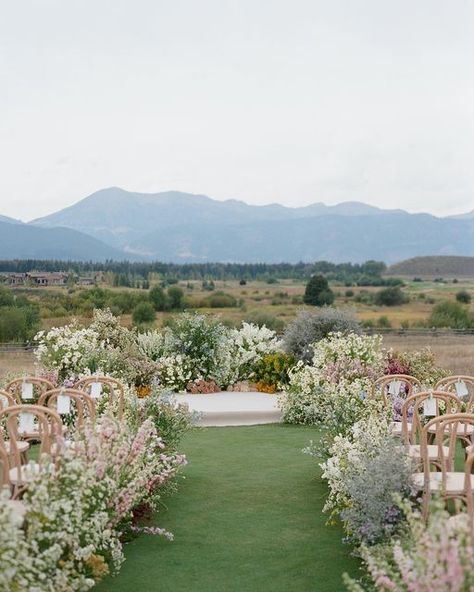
(22,474)
(21,445)
(454,482)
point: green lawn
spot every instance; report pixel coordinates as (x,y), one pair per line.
(247,518)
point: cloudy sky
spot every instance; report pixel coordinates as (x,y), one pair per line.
(289,101)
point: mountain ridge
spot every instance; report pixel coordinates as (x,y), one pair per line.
(182,227)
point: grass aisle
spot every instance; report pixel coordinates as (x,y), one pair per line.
(246,518)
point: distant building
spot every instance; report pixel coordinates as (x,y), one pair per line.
(54,278)
(36,278)
(85,281)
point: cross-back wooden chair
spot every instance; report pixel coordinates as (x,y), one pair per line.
(462,386)
(445,480)
(7,400)
(108,385)
(67,400)
(422,407)
(21,392)
(5,483)
(21,419)
(407,386)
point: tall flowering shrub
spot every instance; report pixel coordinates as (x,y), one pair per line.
(332,390)
(78,507)
(433,557)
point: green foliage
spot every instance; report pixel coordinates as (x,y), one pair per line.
(271,371)
(392,296)
(143,313)
(464,297)
(221,300)
(175,297)
(449,314)
(158,298)
(171,420)
(263,319)
(318,292)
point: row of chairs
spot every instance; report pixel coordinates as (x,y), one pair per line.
(31,389)
(38,417)
(434,424)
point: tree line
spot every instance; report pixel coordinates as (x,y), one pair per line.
(368,271)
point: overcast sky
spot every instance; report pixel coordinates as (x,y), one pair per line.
(290,101)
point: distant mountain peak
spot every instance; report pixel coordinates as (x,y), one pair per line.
(178,226)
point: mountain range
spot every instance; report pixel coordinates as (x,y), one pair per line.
(181,227)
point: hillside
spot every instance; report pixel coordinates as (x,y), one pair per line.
(183,227)
(433,267)
(22,241)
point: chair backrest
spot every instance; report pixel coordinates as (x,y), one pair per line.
(21,420)
(404,384)
(114,388)
(28,389)
(446,433)
(422,407)
(6,399)
(461,385)
(65,400)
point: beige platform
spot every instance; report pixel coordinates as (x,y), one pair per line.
(233,409)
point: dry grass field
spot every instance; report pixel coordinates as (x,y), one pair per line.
(453,352)
(16,363)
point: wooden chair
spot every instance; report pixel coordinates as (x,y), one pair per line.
(5,483)
(381,388)
(468,485)
(48,428)
(451,484)
(423,407)
(6,399)
(113,386)
(80,403)
(454,384)
(39,386)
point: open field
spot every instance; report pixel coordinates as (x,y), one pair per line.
(453,352)
(16,363)
(278,302)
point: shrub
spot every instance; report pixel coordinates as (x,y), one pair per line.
(158,298)
(175,297)
(392,296)
(318,292)
(438,556)
(383,322)
(349,293)
(171,420)
(143,313)
(463,297)
(311,327)
(373,514)
(271,371)
(451,315)
(221,300)
(18,323)
(263,319)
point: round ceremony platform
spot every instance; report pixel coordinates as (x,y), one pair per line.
(233,409)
